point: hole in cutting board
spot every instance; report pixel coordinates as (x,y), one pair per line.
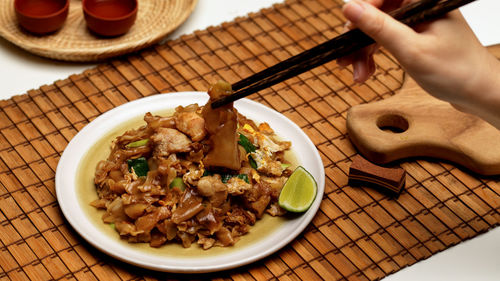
(392,123)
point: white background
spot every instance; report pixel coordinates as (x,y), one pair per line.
(476,259)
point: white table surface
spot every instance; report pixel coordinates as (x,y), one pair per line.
(476,259)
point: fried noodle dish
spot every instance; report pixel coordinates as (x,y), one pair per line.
(200,176)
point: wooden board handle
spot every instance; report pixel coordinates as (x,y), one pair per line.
(414,124)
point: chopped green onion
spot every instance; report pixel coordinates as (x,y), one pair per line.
(247,145)
(244,177)
(139,166)
(252,162)
(137,143)
(285,165)
(225,177)
(178,182)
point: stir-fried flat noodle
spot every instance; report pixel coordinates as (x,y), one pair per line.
(221,124)
(201,176)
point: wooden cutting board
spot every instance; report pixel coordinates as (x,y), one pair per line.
(414,124)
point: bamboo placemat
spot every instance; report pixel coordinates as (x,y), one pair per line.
(358,233)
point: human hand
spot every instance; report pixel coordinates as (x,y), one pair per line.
(362,61)
(443,56)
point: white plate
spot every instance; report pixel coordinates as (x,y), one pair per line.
(173,258)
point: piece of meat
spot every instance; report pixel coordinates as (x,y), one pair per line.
(209,185)
(275,184)
(275,210)
(260,205)
(191,124)
(206,242)
(193,175)
(237,186)
(241,217)
(170,141)
(213,188)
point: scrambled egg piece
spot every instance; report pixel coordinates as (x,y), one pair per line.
(266,148)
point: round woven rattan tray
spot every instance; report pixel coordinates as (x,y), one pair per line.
(74,42)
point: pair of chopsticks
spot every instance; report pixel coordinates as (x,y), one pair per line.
(347,43)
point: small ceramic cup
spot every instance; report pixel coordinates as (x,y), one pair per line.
(110,18)
(41,16)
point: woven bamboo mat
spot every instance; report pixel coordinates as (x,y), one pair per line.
(358,233)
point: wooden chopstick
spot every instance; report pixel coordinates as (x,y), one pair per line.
(335,48)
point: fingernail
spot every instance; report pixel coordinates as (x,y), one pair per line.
(355,74)
(358,67)
(347,26)
(353,11)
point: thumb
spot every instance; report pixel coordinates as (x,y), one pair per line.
(384,29)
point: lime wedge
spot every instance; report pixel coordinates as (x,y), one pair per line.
(299,191)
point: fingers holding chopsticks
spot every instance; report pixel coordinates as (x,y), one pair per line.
(417,52)
(441,53)
(362,62)
(368,16)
